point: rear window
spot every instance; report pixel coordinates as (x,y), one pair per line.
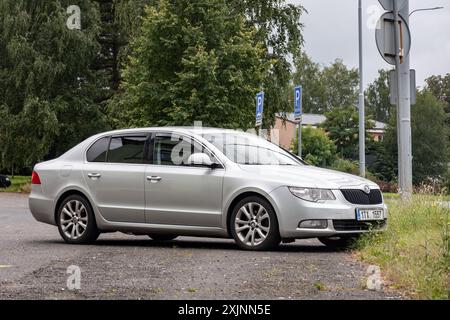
(127,149)
(97,152)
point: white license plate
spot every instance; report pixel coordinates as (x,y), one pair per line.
(369,215)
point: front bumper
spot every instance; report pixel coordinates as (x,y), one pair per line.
(340,215)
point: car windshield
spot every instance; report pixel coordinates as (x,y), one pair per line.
(248,149)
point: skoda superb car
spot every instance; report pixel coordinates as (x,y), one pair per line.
(169,182)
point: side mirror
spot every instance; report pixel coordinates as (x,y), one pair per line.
(200,159)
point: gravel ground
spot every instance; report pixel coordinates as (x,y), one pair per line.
(34,262)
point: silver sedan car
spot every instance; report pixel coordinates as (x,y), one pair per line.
(168,182)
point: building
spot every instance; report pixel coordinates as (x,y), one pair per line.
(285,126)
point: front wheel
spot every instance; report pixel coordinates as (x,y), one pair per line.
(254,225)
(76,221)
(339,242)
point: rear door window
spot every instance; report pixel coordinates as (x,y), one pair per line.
(127,149)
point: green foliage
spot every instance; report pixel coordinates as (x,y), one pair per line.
(317,148)
(279,28)
(342,126)
(308,74)
(439,86)
(45,77)
(383,166)
(429,138)
(341,86)
(192,62)
(325,88)
(346,166)
(377,98)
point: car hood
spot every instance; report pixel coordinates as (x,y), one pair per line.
(308,177)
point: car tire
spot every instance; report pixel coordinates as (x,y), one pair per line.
(162,237)
(339,242)
(254,224)
(76,221)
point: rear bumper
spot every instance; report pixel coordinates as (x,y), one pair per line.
(339,214)
(42,208)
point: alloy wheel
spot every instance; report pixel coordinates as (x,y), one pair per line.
(74,219)
(252,224)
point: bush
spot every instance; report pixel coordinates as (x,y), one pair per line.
(447,181)
(317,148)
(345,166)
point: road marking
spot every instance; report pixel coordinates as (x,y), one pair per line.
(5,266)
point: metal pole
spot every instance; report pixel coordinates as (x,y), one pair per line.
(362,130)
(300,138)
(402,67)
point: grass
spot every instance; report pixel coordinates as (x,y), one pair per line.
(414,252)
(19,184)
(396,196)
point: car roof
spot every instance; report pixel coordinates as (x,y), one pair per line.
(191,130)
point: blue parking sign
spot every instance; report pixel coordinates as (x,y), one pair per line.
(298,102)
(259,108)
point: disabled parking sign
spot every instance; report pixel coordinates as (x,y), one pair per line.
(259,108)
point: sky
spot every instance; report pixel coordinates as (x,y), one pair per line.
(331,31)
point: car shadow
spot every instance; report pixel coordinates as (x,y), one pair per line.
(202,244)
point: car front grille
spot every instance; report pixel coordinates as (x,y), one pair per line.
(360,197)
(354,225)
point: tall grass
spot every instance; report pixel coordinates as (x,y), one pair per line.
(414,252)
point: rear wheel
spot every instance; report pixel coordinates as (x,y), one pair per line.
(339,242)
(76,221)
(254,225)
(162,237)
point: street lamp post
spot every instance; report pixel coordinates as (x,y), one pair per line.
(425,9)
(362,131)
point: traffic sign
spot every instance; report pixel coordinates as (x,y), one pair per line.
(393,93)
(259,108)
(385,37)
(298,103)
(388,5)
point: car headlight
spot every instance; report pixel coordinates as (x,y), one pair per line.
(311,194)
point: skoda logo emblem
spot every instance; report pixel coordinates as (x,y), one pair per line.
(367,189)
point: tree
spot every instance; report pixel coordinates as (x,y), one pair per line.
(377,98)
(47,85)
(308,75)
(342,126)
(429,138)
(439,86)
(317,148)
(279,28)
(325,88)
(192,61)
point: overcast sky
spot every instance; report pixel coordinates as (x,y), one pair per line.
(331,31)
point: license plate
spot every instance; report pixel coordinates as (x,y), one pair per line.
(369,215)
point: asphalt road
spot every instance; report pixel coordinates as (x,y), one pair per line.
(34,262)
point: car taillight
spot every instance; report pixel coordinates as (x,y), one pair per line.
(35,178)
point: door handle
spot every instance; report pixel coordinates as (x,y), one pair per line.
(154,179)
(94,175)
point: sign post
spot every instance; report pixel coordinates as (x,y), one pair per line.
(394,42)
(259,109)
(298,92)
